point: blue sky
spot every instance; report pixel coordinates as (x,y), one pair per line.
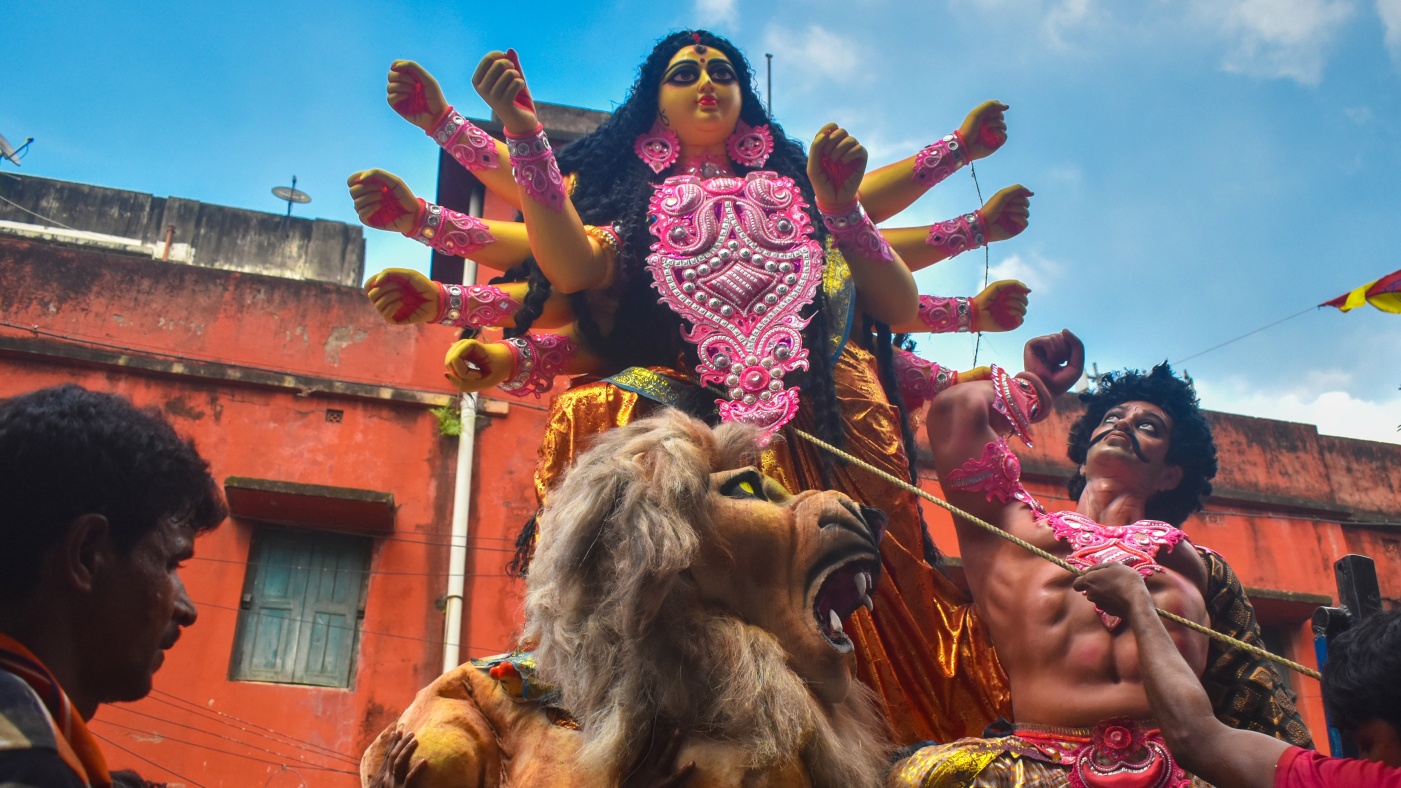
(1201,167)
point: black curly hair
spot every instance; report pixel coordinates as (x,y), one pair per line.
(66,452)
(1191,447)
(1359,678)
(613,186)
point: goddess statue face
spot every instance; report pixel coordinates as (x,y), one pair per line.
(699,97)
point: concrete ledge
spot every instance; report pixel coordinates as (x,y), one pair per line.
(302,385)
(310,505)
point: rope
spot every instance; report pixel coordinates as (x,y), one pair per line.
(1057,560)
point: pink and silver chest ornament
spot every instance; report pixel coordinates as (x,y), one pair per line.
(1092,544)
(736,259)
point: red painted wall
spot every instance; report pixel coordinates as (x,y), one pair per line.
(80,299)
(1284,494)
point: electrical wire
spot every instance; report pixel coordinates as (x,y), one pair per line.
(214,715)
(371,572)
(129,710)
(56,222)
(1303,311)
(216,749)
(987,257)
(165,769)
(359,630)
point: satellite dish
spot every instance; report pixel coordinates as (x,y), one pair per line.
(291,195)
(12,153)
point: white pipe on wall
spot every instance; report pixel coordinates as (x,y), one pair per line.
(461,499)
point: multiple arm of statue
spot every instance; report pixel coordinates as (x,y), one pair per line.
(575,257)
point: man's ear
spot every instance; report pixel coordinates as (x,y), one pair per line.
(85,551)
(1172,476)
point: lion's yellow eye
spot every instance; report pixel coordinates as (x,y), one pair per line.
(745,485)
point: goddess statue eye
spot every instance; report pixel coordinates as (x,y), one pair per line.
(721,72)
(685,74)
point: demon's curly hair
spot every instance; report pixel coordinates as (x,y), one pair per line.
(1191,447)
(613,186)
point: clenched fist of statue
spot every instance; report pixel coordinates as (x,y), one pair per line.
(474,365)
(1007,212)
(383,201)
(984,130)
(402,296)
(415,95)
(836,162)
(1001,306)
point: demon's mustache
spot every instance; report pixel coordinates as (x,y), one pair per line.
(1133,441)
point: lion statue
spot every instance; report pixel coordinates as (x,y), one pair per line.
(677,595)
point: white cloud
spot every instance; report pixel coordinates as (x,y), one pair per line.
(1056,21)
(1390,12)
(1335,412)
(716,12)
(1037,273)
(817,56)
(1277,39)
(1360,115)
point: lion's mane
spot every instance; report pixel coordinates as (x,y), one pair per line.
(618,627)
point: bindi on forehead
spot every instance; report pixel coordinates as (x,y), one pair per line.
(699,53)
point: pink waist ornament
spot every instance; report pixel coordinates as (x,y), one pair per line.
(1117,753)
(735,258)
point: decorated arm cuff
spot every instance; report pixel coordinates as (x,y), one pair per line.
(536,360)
(946,315)
(856,234)
(959,234)
(1020,401)
(449,231)
(535,169)
(465,142)
(940,160)
(920,380)
(997,475)
(474,306)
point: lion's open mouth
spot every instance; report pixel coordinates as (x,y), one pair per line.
(848,585)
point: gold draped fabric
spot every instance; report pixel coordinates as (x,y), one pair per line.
(923,650)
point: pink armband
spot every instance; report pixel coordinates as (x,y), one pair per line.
(536,360)
(959,234)
(920,380)
(946,315)
(472,147)
(997,475)
(855,233)
(1019,400)
(940,160)
(449,231)
(535,169)
(473,306)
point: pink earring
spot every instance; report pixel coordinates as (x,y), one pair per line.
(750,146)
(658,147)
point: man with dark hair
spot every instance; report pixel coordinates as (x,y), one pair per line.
(1145,458)
(100,503)
(1361,690)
